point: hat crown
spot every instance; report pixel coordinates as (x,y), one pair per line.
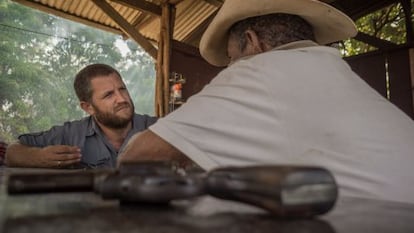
(329,24)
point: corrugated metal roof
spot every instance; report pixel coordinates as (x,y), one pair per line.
(192,16)
(190,21)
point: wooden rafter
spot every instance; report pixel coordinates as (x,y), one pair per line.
(357,8)
(126,27)
(175,2)
(374,41)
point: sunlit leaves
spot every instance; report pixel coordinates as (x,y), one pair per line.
(387,24)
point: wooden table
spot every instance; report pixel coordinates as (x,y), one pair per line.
(87,212)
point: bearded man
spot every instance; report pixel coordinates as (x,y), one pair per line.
(93,141)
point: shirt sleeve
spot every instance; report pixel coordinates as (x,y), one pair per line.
(151,120)
(70,133)
(142,122)
(3,147)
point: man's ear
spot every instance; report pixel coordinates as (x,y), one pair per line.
(253,42)
(87,107)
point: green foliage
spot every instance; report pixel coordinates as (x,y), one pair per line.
(387,24)
(40,55)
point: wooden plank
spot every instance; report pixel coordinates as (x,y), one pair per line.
(400,80)
(371,68)
(374,41)
(141,5)
(357,8)
(126,27)
(411,56)
(68,16)
(411,53)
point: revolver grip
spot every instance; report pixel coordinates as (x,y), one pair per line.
(285,191)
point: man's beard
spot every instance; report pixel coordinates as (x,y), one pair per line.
(111,120)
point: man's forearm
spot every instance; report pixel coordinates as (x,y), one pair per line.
(52,156)
(19,155)
(149,146)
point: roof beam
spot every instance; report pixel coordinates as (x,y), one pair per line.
(357,8)
(141,5)
(175,2)
(374,41)
(126,27)
(406,4)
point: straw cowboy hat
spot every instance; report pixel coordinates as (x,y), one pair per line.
(329,24)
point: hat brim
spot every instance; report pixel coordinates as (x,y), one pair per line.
(329,24)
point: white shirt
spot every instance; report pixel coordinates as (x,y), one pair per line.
(300,104)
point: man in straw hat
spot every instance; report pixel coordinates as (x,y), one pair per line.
(287,99)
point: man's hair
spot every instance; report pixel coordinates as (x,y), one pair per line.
(273,29)
(82,83)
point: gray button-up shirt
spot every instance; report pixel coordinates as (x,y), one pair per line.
(95,148)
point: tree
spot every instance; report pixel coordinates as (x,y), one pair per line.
(19,68)
(387,24)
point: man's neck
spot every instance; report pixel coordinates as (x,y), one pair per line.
(115,136)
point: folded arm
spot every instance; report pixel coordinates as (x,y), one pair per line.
(147,146)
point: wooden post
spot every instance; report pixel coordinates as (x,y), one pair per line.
(406,4)
(411,56)
(166,28)
(410,39)
(162,91)
(159,112)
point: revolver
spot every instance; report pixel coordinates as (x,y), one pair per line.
(284,191)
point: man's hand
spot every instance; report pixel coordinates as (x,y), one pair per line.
(56,156)
(59,156)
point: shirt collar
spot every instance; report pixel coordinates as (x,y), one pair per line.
(296,45)
(291,45)
(92,127)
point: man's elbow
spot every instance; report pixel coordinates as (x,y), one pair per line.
(8,159)
(148,146)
